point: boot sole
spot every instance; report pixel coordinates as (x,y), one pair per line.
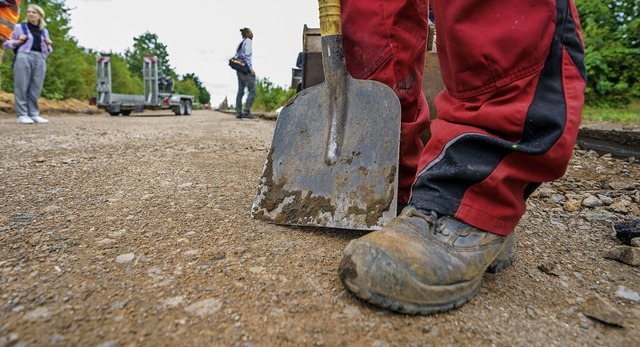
(389,303)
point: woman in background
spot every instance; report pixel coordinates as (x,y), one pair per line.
(34,45)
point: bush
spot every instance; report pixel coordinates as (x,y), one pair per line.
(612,43)
(270,97)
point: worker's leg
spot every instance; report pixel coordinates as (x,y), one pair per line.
(510,115)
(240,95)
(515,80)
(251,90)
(385,41)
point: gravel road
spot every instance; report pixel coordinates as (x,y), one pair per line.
(136,231)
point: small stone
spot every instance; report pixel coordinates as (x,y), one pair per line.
(621,185)
(544,192)
(572,205)
(257,269)
(118,305)
(605,199)
(173,302)
(125,258)
(550,268)
(557,198)
(51,208)
(627,293)
(192,252)
(592,216)
(592,154)
(40,313)
(105,242)
(597,308)
(352,312)
(627,255)
(634,209)
(619,207)
(205,307)
(626,231)
(591,201)
(531,312)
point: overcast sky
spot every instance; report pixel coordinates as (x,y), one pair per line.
(201,35)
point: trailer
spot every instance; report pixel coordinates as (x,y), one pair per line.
(158,91)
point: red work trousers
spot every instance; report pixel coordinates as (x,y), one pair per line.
(509,116)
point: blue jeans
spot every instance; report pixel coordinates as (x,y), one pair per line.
(247,81)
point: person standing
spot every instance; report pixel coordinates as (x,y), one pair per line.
(9,16)
(507,120)
(245,80)
(34,46)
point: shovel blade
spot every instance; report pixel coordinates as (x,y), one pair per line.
(355,190)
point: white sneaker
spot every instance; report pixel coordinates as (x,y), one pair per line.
(39,119)
(25,120)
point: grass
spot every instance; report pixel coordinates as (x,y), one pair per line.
(628,115)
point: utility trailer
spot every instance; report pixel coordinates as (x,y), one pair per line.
(158,91)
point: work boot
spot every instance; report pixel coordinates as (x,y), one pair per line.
(423,263)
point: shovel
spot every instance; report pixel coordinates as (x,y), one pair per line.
(333,160)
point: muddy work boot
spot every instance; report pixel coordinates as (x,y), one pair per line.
(423,263)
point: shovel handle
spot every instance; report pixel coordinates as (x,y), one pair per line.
(335,77)
(330,23)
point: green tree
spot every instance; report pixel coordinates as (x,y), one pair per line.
(270,97)
(203,94)
(65,67)
(187,86)
(71,68)
(611,32)
(145,45)
(123,81)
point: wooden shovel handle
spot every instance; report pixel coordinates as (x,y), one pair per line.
(330,23)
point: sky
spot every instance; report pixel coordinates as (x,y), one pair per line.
(201,35)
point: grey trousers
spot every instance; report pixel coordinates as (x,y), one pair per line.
(28,78)
(245,81)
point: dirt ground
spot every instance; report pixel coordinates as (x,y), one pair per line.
(136,231)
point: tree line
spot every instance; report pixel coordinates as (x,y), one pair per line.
(71,70)
(611,31)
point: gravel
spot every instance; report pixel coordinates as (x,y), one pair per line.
(132,231)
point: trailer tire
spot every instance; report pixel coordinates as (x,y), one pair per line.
(114,113)
(187,107)
(179,111)
(126,112)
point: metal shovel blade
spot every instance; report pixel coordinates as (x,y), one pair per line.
(334,155)
(358,190)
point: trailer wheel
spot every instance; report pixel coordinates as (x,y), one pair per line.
(187,107)
(126,112)
(114,113)
(179,111)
